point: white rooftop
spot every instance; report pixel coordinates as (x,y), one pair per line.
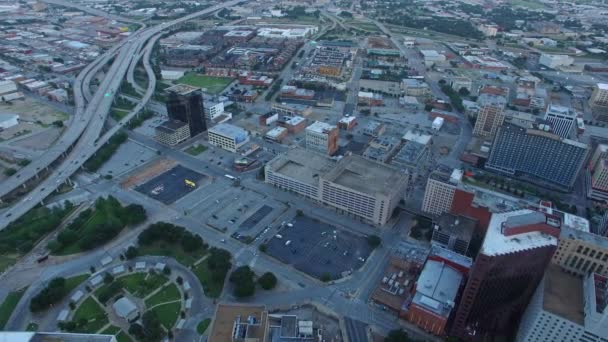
(320,127)
(602,86)
(495,243)
(417,136)
(124,307)
(347,119)
(275,132)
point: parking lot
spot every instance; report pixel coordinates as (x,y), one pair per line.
(171,185)
(241,213)
(319,249)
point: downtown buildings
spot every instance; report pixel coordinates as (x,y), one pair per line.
(356,186)
(185,103)
(599,102)
(537,152)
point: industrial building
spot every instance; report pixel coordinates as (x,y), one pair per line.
(537,152)
(555,61)
(172,132)
(513,257)
(322,137)
(228,137)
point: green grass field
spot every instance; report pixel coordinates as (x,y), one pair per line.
(142,284)
(172,250)
(203,325)
(9,304)
(111,330)
(168,314)
(94,314)
(123,337)
(212,288)
(195,150)
(212,84)
(6,262)
(168,293)
(72,282)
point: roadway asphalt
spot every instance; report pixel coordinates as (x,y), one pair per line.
(96,111)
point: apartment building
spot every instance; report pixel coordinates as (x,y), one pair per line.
(599,101)
(580,252)
(491,115)
(439,192)
(322,137)
(562,119)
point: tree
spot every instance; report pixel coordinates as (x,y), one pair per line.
(131,252)
(54,292)
(397,336)
(152,327)
(325,277)
(268,281)
(108,278)
(374,241)
(463,91)
(244,285)
(299,212)
(263,248)
(136,214)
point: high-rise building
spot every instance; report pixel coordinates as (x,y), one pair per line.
(228,137)
(490,116)
(322,137)
(599,102)
(186,105)
(439,192)
(566,307)
(580,251)
(537,152)
(562,119)
(598,168)
(513,257)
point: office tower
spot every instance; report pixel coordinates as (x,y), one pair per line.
(537,152)
(439,192)
(322,137)
(567,307)
(491,115)
(599,102)
(511,262)
(186,105)
(562,119)
(580,251)
(598,168)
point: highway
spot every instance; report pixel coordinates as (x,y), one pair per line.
(88,122)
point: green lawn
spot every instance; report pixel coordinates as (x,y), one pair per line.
(118,113)
(168,293)
(123,337)
(9,304)
(94,314)
(111,330)
(142,284)
(72,282)
(168,314)
(32,327)
(172,250)
(212,84)
(195,150)
(6,262)
(213,289)
(203,325)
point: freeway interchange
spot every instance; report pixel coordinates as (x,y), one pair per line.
(82,138)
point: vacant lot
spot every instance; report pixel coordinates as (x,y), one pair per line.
(211,84)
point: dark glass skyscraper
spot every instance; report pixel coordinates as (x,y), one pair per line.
(188,108)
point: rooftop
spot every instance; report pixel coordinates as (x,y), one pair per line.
(302,165)
(602,86)
(437,287)
(124,307)
(247,322)
(456,225)
(365,176)
(229,130)
(496,243)
(417,136)
(182,89)
(171,126)
(320,127)
(563,294)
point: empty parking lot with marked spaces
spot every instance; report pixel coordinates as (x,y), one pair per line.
(171,185)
